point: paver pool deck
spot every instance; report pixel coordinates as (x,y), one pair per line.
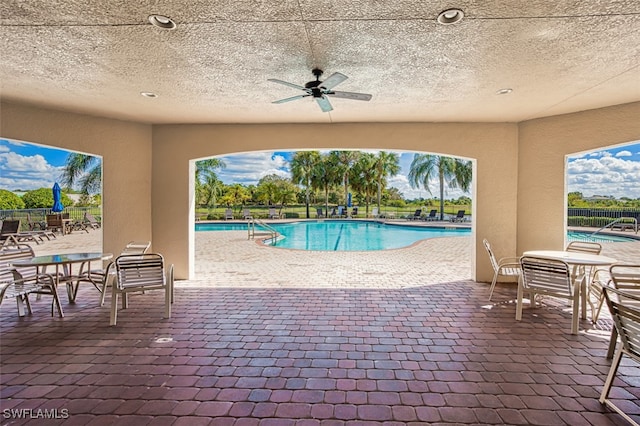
(268,336)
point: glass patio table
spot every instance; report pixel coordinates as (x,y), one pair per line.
(63,264)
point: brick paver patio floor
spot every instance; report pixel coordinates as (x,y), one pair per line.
(311,342)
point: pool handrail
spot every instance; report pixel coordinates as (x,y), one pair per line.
(251,229)
(619,220)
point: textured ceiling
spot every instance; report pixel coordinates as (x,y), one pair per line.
(97,56)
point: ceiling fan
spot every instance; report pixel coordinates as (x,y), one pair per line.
(321,90)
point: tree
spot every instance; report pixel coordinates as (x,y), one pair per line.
(235,195)
(365,177)
(326,174)
(302,165)
(344,160)
(82,169)
(387,164)
(43,198)
(208,186)
(450,171)
(10,201)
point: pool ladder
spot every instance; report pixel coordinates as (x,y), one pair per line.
(251,228)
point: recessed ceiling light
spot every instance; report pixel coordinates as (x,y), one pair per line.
(504,91)
(162,21)
(450,16)
(149,94)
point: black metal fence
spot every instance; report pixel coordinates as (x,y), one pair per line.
(598,217)
(40,215)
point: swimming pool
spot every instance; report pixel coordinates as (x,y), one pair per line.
(344,235)
(598,238)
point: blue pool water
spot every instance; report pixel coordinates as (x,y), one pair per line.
(339,235)
(598,238)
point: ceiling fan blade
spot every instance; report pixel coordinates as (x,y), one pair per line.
(324,103)
(293,98)
(351,95)
(286,83)
(333,80)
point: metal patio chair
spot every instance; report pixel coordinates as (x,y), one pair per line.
(550,278)
(506,266)
(625,310)
(137,274)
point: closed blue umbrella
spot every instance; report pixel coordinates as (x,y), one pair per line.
(57,197)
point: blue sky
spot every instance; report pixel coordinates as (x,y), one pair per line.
(614,171)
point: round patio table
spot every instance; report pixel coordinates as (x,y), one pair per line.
(64,261)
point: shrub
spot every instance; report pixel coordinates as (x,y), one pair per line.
(10,201)
(43,198)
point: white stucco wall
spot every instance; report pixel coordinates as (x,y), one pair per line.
(519,192)
(494,146)
(544,145)
(125,148)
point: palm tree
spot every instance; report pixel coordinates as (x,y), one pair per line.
(85,170)
(386,164)
(208,186)
(365,177)
(344,160)
(325,175)
(453,172)
(302,166)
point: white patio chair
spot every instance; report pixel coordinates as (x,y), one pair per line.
(625,310)
(19,282)
(626,278)
(506,266)
(140,273)
(551,278)
(228,214)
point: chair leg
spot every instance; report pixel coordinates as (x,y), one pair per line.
(105,284)
(22,301)
(612,373)
(519,302)
(612,342)
(575,313)
(114,307)
(493,284)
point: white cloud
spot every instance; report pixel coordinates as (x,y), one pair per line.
(607,175)
(25,172)
(249,168)
(624,154)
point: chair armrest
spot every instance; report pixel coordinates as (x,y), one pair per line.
(509,261)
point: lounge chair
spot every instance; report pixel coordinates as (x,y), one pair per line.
(458,217)
(273,214)
(432,215)
(354,212)
(342,211)
(42,225)
(374,213)
(91,221)
(246,214)
(228,214)
(416,215)
(319,213)
(10,233)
